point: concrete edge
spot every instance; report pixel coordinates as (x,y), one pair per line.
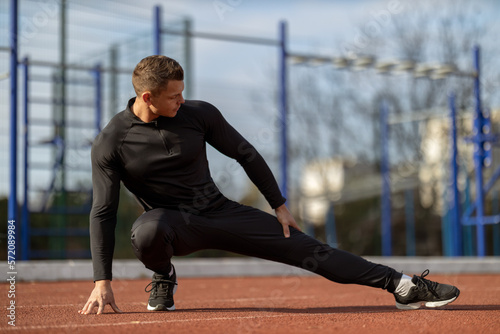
(64,270)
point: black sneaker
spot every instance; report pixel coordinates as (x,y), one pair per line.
(162,292)
(429,293)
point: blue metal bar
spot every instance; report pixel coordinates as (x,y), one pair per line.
(69,124)
(445,226)
(486,220)
(60,103)
(222,37)
(157,30)
(468,230)
(478,158)
(330,227)
(492,180)
(12,206)
(410,223)
(386,186)
(71,254)
(98,98)
(61,232)
(496,227)
(456,226)
(25,216)
(489,185)
(283,107)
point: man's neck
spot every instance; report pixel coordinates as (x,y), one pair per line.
(142,111)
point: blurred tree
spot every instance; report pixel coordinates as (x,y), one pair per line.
(336,113)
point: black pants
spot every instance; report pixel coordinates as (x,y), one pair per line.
(159,234)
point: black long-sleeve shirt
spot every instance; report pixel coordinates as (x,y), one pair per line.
(164,164)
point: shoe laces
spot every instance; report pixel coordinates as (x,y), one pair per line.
(157,287)
(423,283)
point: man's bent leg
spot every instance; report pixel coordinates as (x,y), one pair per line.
(151,239)
(155,240)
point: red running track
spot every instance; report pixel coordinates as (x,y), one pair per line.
(288,304)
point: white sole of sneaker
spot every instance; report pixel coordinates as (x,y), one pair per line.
(441,303)
(161,307)
(414,306)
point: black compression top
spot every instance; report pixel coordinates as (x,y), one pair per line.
(164,164)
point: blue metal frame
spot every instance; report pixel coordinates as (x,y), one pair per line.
(386,182)
(330,227)
(283,108)
(25,216)
(411,248)
(157,30)
(455,207)
(478,156)
(98,98)
(12,205)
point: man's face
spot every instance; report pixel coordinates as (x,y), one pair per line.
(168,102)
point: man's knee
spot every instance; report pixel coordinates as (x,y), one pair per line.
(150,232)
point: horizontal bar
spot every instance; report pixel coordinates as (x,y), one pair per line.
(80,191)
(489,185)
(47,253)
(308,57)
(75,124)
(48,78)
(59,232)
(67,211)
(68,147)
(41,100)
(4,48)
(42,167)
(77,67)
(389,66)
(487,220)
(224,37)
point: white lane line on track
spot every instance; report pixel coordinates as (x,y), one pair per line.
(74,326)
(232,300)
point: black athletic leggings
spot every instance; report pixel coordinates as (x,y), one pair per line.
(159,234)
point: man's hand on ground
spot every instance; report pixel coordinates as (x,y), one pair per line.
(101,296)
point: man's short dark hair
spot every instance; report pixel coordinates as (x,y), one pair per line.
(153,73)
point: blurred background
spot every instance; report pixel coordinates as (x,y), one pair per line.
(370,138)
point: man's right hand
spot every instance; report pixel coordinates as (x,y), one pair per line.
(101,296)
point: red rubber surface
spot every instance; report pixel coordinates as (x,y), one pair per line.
(254,305)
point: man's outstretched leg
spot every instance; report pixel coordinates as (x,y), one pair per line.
(252,232)
(419,290)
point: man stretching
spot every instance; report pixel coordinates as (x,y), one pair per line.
(157,148)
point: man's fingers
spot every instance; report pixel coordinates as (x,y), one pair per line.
(87,308)
(286,231)
(101,308)
(115,308)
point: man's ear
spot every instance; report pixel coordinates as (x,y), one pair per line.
(146,97)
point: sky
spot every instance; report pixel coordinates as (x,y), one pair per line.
(229,75)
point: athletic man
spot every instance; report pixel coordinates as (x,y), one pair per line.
(157,148)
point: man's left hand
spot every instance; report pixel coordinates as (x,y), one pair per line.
(286,219)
